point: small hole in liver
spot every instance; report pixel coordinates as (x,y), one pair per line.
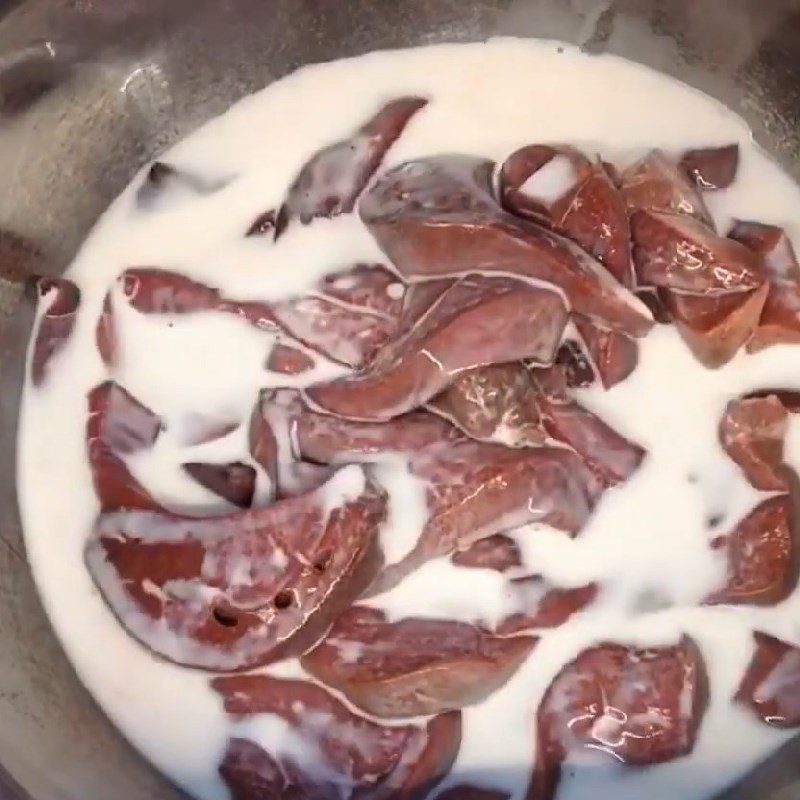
(321,562)
(225,618)
(283,599)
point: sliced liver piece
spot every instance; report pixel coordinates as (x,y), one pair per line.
(330,183)
(638,706)
(498,552)
(477,322)
(233,592)
(657,183)
(762,556)
(771,686)
(234,482)
(780,320)
(753,431)
(544,605)
(437,217)
(118,425)
(339,755)
(716,327)
(59,299)
(674,251)
(413,667)
(712,167)
(496,403)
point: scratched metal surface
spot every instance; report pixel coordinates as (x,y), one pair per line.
(92,89)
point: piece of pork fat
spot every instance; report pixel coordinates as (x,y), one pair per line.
(59,300)
(337,754)
(118,425)
(413,667)
(346,317)
(330,183)
(762,556)
(770,687)
(478,321)
(604,701)
(712,168)
(752,432)
(780,320)
(436,217)
(234,592)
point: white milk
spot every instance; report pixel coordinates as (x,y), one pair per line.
(647,544)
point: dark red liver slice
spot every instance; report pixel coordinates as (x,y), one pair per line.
(106,333)
(591,211)
(413,666)
(273,442)
(436,217)
(329,439)
(233,592)
(478,489)
(613,355)
(752,431)
(526,162)
(495,403)
(675,251)
(612,457)
(348,757)
(345,331)
(497,552)
(594,215)
(478,321)
(712,167)
(287,360)
(118,425)
(547,607)
(330,183)
(718,326)
(235,482)
(60,299)
(657,183)
(639,706)
(780,320)
(574,364)
(762,556)
(771,686)
(349,316)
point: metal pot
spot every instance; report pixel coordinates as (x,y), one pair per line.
(92,89)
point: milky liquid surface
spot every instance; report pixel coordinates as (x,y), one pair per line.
(647,544)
